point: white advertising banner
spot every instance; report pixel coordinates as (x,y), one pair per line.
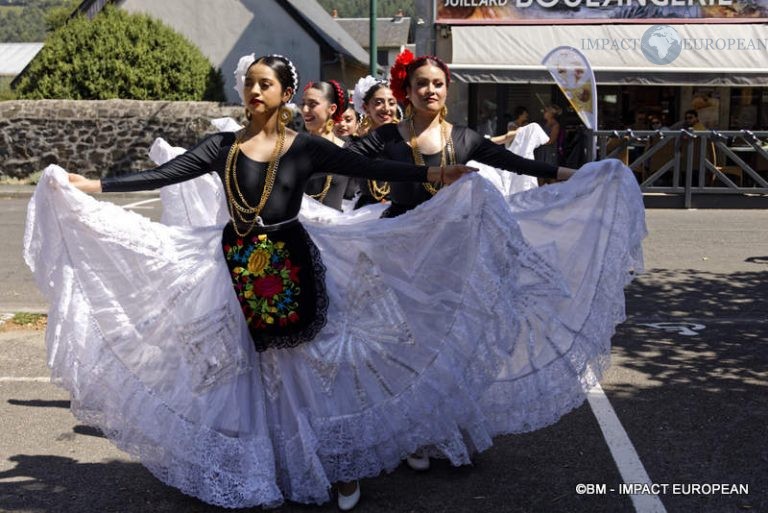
(694,48)
(572,72)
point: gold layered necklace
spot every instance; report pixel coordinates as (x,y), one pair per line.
(239,208)
(320,196)
(378,191)
(446,148)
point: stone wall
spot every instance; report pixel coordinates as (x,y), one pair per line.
(99,137)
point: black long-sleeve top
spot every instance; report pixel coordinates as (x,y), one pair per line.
(387,142)
(306,156)
(335,194)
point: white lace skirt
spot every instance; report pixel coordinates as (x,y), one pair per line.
(471,316)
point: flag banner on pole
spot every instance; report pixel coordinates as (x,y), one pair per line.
(573,74)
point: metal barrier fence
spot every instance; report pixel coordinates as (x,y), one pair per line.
(692,163)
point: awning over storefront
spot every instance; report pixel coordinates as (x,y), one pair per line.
(620,54)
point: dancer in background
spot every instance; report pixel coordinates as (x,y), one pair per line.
(425,135)
(323,105)
(521,141)
(347,129)
(349,123)
(374,101)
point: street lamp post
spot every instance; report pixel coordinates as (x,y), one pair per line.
(372,41)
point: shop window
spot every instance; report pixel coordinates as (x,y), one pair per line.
(748,106)
(706,102)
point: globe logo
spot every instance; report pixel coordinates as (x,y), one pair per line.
(661,44)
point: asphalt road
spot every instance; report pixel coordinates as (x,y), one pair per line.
(688,384)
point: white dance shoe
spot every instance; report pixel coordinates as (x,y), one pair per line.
(418,462)
(347,502)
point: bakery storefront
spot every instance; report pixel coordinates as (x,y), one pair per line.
(650,58)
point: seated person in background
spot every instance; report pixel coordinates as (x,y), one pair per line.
(691,121)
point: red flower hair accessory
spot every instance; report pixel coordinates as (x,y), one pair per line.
(397,74)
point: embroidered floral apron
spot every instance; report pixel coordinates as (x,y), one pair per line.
(279,280)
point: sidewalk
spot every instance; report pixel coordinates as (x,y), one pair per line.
(18,292)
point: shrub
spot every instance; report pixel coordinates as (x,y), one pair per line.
(119,55)
(6,93)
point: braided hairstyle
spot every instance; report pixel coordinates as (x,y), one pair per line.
(334,93)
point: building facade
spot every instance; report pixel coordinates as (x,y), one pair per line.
(392,36)
(225,30)
(648,61)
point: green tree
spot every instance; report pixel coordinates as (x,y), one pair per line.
(57,15)
(120,55)
(32,20)
(24,25)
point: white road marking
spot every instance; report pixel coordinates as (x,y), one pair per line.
(624,454)
(688,329)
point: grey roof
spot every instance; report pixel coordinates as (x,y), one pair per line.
(390,32)
(90,8)
(310,12)
(327,28)
(14,57)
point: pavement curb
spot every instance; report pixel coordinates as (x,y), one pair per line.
(26,194)
(5,311)
(15,194)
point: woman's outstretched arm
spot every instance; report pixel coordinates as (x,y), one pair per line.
(331,158)
(483,150)
(191,164)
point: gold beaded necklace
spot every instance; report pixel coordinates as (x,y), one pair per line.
(239,209)
(446,146)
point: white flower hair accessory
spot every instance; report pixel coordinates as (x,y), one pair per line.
(294,72)
(242,66)
(361,89)
(245,62)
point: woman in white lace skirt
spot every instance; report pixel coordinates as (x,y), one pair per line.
(468,318)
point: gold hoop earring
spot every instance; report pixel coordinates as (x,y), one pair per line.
(248,115)
(366,123)
(443,113)
(329,125)
(409,111)
(285,116)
